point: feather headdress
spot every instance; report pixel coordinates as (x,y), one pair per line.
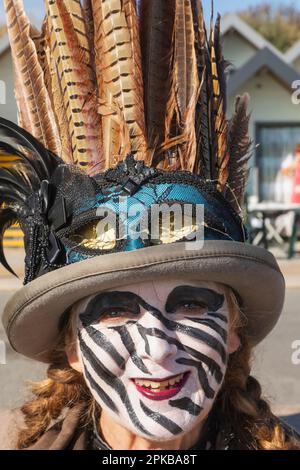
(104,79)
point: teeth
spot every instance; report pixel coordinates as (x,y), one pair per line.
(155,385)
(172,381)
(164,384)
(158,386)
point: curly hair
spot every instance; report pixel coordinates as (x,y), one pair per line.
(239,401)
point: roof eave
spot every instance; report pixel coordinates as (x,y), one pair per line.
(264,58)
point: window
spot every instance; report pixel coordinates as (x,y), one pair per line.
(275,142)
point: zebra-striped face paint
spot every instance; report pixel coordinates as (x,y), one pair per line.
(154,354)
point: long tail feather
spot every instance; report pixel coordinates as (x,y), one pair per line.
(239,149)
(202,121)
(32,96)
(70,50)
(183,96)
(119,81)
(157,27)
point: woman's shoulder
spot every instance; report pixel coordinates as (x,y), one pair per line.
(11,421)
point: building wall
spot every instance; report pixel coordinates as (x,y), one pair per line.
(270,103)
(236,49)
(9,109)
(296,64)
(270,100)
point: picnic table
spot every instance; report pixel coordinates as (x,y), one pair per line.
(268,212)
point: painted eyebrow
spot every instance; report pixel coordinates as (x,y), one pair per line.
(108,300)
(182,294)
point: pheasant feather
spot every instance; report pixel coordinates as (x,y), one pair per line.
(119,79)
(70,51)
(34,105)
(239,149)
(157,27)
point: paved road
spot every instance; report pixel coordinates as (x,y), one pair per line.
(272,365)
(16,371)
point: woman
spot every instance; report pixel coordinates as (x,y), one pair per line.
(107,363)
(147,322)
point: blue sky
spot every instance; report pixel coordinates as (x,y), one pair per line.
(35,8)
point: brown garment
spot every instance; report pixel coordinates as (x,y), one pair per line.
(63,435)
(67,434)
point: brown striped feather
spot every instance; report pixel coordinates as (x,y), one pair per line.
(39,39)
(183,97)
(36,113)
(71,58)
(239,149)
(119,81)
(202,164)
(220,125)
(157,26)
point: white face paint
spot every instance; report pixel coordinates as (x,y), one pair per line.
(154,354)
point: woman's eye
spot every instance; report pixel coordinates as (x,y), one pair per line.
(116,314)
(192,307)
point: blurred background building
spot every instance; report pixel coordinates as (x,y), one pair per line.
(267,74)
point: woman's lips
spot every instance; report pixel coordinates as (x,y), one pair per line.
(157,393)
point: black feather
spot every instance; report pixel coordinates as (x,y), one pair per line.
(43,161)
(202,122)
(7,219)
(31,164)
(14,179)
(9,150)
(222,64)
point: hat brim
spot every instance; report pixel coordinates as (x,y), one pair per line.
(31,316)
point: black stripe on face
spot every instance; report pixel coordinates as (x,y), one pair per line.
(166,423)
(186,404)
(100,392)
(212,324)
(101,340)
(129,345)
(221,316)
(196,333)
(213,366)
(110,379)
(107,301)
(203,379)
(186,294)
(143,334)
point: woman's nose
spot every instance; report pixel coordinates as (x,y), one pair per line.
(155,340)
(160,350)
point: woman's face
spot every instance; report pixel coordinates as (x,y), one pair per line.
(154,354)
